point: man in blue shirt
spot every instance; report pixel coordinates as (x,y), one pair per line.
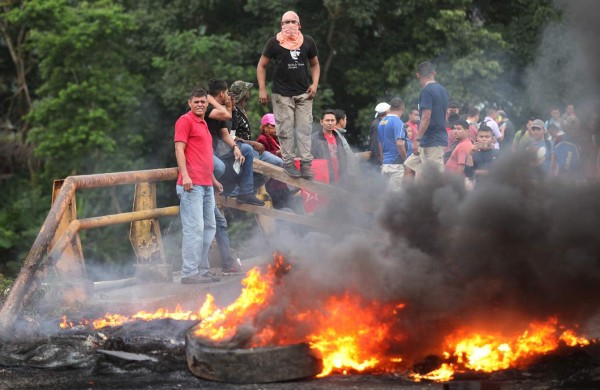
(432,138)
(392,143)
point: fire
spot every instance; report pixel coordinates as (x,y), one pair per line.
(117,319)
(219,324)
(442,374)
(350,335)
(347,333)
(492,352)
(350,332)
(572,340)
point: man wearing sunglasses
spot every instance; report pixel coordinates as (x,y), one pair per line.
(292,93)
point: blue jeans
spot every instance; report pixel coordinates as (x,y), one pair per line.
(222,235)
(222,238)
(219,168)
(196,208)
(270,158)
(245,180)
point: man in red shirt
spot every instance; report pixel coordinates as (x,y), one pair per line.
(413,123)
(193,150)
(460,156)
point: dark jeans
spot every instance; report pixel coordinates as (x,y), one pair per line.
(222,234)
(245,179)
(222,237)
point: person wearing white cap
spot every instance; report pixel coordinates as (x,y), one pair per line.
(381,110)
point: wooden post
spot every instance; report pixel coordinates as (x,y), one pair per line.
(146,239)
(72,285)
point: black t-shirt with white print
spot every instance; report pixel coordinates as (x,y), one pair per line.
(290,77)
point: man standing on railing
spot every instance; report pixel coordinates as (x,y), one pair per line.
(194,153)
(293,53)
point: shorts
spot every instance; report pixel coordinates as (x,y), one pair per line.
(432,154)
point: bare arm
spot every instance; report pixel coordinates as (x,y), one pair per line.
(218,186)
(401,148)
(219,112)
(186,181)
(423,125)
(261,76)
(315,73)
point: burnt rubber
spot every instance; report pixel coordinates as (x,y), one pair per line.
(227,362)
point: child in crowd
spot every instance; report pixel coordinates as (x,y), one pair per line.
(483,152)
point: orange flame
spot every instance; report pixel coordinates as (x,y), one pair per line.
(493,352)
(442,374)
(349,335)
(117,319)
(218,324)
(572,340)
(350,332)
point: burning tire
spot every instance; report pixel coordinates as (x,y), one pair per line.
(251,365)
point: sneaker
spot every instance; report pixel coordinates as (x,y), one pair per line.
(305,171)
(198,279)
(250,199)
(212,277)
(231,269)
(291,170)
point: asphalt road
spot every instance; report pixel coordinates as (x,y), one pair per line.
(22,378)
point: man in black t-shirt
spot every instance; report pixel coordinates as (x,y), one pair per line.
(292,94)
(240,128)
(226,150)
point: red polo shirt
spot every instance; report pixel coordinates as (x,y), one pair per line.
(198,148)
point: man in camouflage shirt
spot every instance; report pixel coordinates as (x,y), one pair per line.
(243,131)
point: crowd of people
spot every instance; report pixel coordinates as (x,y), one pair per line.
(215,150)
(468,142)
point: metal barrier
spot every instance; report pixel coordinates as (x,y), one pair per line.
(63,217)
(59,234)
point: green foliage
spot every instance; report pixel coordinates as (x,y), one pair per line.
(190,61)
(5,284)
(87,95)
(109,78)
(20,223)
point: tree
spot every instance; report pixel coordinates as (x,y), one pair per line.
(88,96)
(97,85)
